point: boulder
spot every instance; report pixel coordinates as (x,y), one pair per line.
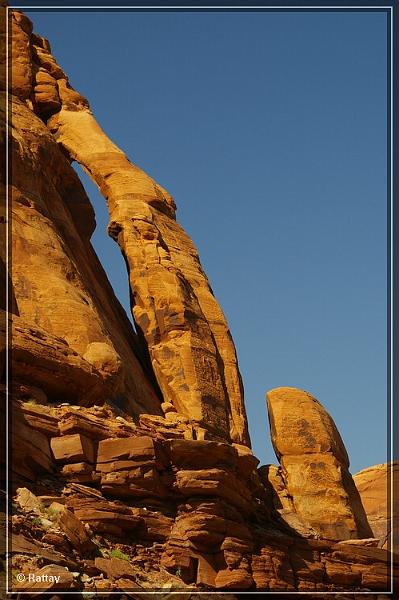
(300,425)
(105,516)
(80,473)
(137,450)
(115,568)
(157,525)
(73,448)
(205,532)
(238,580)
(21,545)
(214,482)
(129,467)
(74,530)
(28,502)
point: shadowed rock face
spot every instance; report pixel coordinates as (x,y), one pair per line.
(315,465)
(185,331)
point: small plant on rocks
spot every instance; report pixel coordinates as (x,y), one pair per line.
(119,554)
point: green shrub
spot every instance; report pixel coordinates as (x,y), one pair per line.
(52,513)
(31,401)
(119,554)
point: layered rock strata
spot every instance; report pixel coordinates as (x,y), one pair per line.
(315,465)
(119,508)
(188,339)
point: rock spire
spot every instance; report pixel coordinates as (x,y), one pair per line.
(315,465)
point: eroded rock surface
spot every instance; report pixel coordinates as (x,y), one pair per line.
(59,285)
(315,465)
(154,513)
(190,346)
(188,339)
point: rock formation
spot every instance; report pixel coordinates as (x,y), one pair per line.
(191,349)
(375,485)
(123,508)
(185,332)
(315,465)
(131,465)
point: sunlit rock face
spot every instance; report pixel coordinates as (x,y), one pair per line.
(315,465)
(180,322)
(187,336)
(60,289)
(185,331)
(375,485)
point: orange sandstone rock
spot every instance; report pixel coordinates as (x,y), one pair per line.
(374,485)
(59,285)
(190,346)
(188,506)
(73,448)
(315,465)
(189,343)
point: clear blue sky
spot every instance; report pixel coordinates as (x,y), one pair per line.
(269,129)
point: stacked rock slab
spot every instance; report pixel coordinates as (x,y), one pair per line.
(315,465)
(183,511)
(190,346)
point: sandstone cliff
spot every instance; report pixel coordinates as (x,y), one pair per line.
(61,291)
(377,486)
(131,464)
(184,329)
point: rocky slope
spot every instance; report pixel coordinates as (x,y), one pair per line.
(131,464)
